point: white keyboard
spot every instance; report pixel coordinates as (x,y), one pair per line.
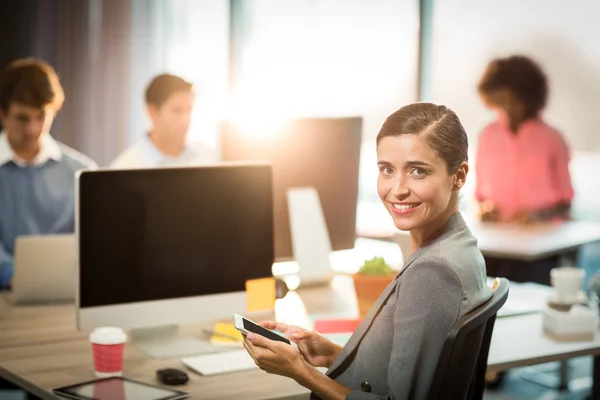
(219,363)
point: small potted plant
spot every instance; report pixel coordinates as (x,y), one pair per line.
(370,281)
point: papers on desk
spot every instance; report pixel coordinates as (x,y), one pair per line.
(524,298)
(336,325)
(225,334)
(338,330)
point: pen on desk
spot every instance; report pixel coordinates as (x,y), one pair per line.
(223,335)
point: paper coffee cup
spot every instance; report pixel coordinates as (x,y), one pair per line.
(108,344)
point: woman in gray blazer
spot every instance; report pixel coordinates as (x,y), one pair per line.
(422,157)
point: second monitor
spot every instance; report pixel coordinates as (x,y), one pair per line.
(322,153)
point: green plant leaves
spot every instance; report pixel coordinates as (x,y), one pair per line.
(376,266)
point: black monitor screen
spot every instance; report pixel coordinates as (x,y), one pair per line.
(157,234)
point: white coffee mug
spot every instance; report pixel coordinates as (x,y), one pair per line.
(567,282)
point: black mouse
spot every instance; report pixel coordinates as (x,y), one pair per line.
(172,376)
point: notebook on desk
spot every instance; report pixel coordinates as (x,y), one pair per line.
(220,363)
(524,298)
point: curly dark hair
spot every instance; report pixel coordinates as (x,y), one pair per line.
(516,84)
(31,82)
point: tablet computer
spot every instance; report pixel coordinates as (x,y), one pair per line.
(118,388)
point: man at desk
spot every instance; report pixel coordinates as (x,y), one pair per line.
(169,102)
(522,163)
(37,173)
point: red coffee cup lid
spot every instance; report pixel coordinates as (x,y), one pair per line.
(108,335)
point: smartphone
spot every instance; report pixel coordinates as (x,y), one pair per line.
(246,326)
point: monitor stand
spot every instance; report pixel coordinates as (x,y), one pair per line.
(167,342)
(310,239)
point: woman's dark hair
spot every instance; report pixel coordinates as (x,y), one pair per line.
(438,124)
(31,82)
(516,84)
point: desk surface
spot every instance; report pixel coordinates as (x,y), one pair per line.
(40,348)
(518,341)
(528,242)
(533,241)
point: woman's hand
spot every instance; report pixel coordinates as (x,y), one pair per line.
(280,358)
(524,216)
(276,357)
(317,350)
(488,212)
(557,212)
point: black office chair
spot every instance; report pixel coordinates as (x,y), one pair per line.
(460,372)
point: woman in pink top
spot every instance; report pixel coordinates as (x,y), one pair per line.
(522,163)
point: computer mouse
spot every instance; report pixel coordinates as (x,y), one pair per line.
(172,376)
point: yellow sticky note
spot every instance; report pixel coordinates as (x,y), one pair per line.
(260,294)
(226,334)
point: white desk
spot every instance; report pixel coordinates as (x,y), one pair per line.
(531,242)
(524,298)
(522,242)
(519,341)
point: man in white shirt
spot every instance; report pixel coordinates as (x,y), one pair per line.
(169,101)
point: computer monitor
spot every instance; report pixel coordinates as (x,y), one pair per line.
(323,153)
(163,247)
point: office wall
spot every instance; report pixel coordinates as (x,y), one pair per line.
(88,44)
(329,58)
(561,35)
(19,40)
(16,44)
(196,48)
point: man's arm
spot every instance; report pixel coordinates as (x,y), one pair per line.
(6,267)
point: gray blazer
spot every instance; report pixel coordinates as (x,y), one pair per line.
(394,351)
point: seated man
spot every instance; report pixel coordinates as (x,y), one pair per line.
(169,101)
(37,173)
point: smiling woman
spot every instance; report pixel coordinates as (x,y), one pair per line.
(422,156)
(422,159)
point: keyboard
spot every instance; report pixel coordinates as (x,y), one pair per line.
(219,363)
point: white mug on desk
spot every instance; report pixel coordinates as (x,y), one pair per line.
(567,282)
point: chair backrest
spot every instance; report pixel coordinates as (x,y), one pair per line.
(460,372)
(403,240)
